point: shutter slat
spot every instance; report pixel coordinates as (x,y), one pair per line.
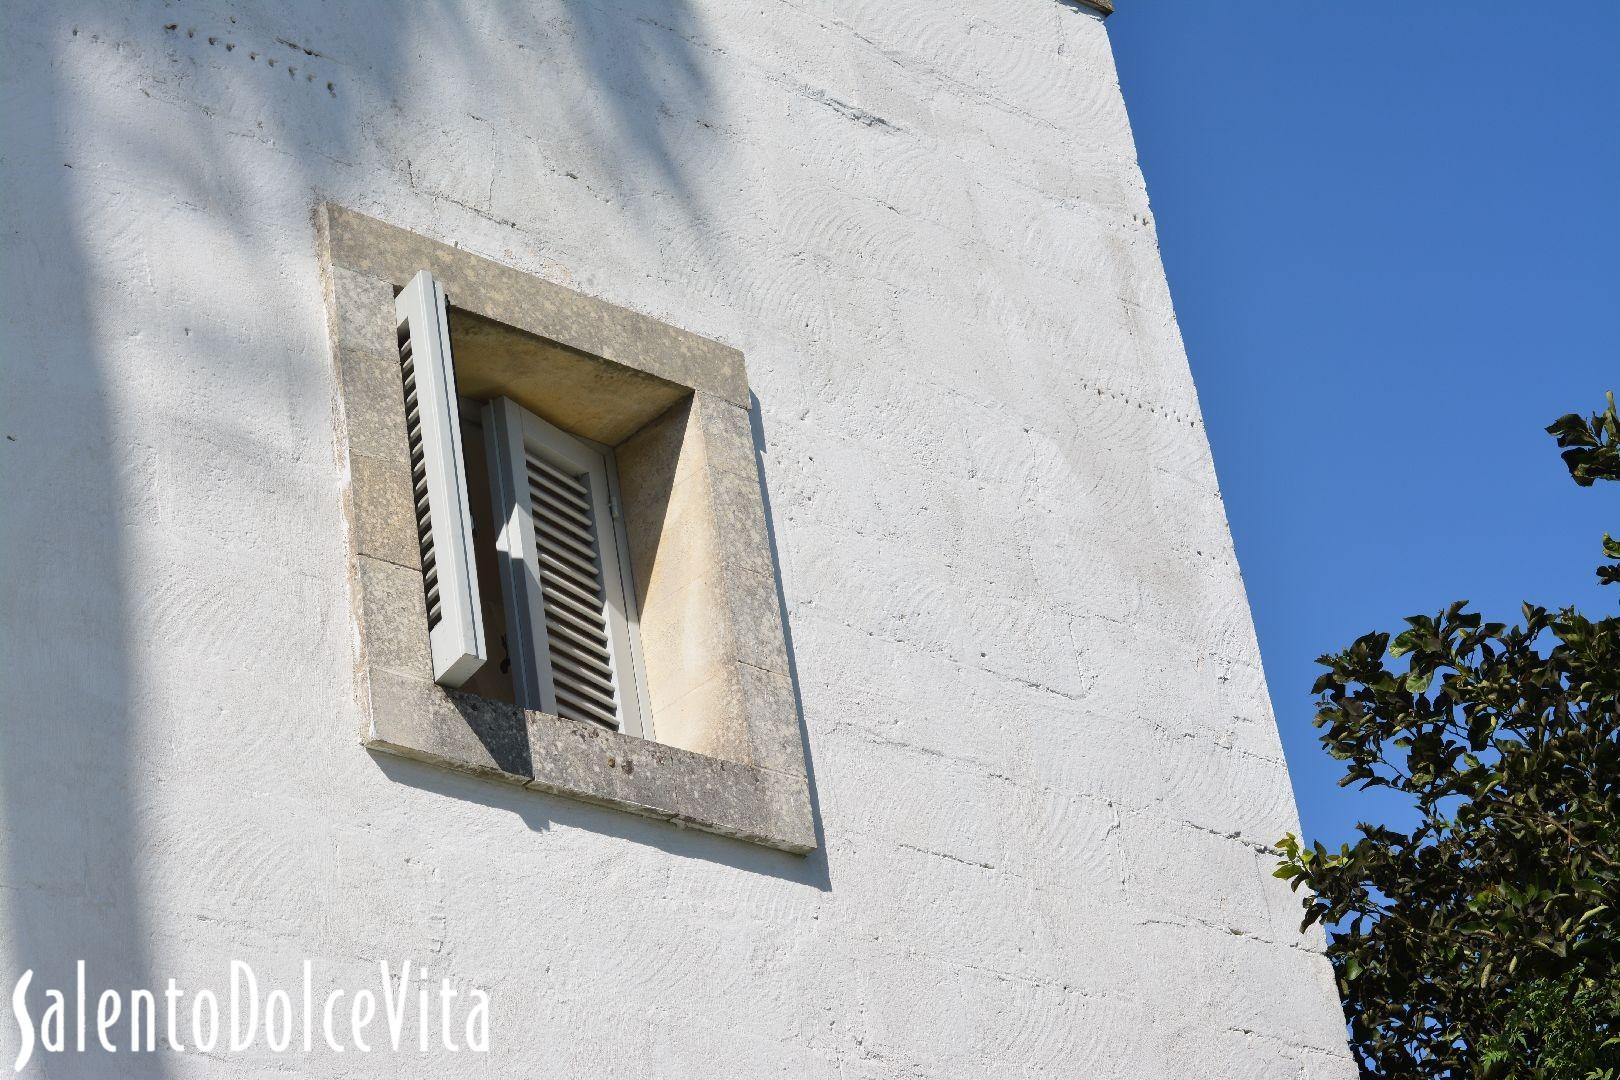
(587,676)
(564,482)
(588,663)
(582,565)
(575,709)
(566,511)
(582,611)
(580,543)
(585,694)
(566,637)
(555,574)
(560,500)
(581,624)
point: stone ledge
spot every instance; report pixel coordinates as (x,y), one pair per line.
(421,720)
(1104,6)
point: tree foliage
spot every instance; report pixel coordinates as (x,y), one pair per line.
(1485,940)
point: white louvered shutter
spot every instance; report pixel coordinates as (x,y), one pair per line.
(443,521)
(565,572)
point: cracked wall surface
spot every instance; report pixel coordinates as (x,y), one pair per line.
(1045,767)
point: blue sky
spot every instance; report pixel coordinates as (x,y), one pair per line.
(1393,239)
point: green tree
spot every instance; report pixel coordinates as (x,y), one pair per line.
(1484,941)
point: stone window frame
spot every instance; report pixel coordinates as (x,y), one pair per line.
(748,776)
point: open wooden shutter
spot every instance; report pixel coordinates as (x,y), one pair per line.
(443,521)
(564,571)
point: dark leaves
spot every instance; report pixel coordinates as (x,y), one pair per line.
(1457,943)
(1592,444)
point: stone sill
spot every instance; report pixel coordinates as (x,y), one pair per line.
(417,719)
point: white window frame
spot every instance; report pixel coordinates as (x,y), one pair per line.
(511,434)
(457,640)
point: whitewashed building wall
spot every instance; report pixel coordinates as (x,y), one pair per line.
(1045,767)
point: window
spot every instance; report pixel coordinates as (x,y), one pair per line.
(550,523)
(561,574)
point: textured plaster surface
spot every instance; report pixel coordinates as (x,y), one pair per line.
(1045,765)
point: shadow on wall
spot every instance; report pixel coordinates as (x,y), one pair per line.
(68,806)
(648,53)
(97,309)
(113,111)
(817,858)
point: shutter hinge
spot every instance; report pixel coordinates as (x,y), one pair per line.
(613,506)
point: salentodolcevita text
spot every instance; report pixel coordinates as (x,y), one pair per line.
(404,1011)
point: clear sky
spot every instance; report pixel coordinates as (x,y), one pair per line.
(1393,239)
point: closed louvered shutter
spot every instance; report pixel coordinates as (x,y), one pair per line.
(563,567)
(443,521)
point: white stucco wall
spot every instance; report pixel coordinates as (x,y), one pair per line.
(1043,755)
